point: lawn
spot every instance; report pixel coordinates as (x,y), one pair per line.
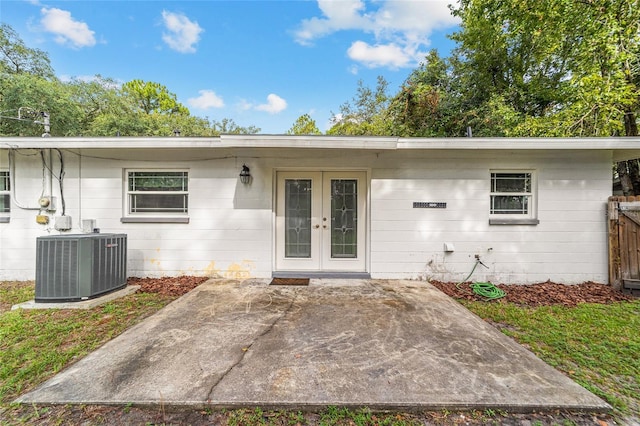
(36,344)
(597,345)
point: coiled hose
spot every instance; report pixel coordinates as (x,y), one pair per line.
(486,290)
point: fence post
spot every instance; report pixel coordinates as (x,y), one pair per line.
(614,243)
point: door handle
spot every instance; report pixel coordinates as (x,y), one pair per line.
(317,226)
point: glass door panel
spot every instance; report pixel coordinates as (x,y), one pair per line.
(344,207)
(344,218)
(298,217)
(297,234)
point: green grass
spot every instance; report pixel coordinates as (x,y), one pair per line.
(14,292)
(598,346)
(36,344)
(331,416)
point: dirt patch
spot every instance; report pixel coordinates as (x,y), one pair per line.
(168,286)
(541,294)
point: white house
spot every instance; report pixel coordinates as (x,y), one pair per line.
(384,207)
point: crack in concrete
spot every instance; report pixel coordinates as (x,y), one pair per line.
(246,348)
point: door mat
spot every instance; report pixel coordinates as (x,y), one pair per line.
(290,281)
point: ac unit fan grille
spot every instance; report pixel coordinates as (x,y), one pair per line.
(57,269)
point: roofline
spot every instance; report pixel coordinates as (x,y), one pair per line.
(324,142)
(521,143)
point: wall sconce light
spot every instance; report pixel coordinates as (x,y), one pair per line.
(245,174)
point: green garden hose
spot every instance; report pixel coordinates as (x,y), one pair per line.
(471,273)
(487,290)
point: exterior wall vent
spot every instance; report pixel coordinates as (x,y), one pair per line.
(77,267)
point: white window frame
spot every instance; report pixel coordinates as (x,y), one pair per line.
(525,218)
(5,192)
(150,216)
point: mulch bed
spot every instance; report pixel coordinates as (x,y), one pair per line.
(168,286)
(541,294)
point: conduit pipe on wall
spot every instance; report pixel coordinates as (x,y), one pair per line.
(80,188)
(48,178)
(13,180)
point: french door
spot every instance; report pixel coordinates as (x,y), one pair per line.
(321,221)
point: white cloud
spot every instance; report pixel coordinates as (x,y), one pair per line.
(66,29)
(274,105)
(244,105)
(401,28)
(207,99)
(182,32)
(338,15)
(381,55)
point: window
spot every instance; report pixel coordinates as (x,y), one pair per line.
(157,196)
(5,196)
(512,198)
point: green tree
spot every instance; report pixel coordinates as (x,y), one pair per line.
(140,124)
(28,88)
(98,98)
(99,107)
(426,102)
(153,98)
(229,127)
(365,114)
(304,125)
(17,58)
(562,68)
(138,108)
(506,51)
(33,95)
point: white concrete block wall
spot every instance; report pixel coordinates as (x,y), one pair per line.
(230,230)
(229,233)
(568,245)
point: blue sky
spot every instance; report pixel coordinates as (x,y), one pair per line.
(261,63)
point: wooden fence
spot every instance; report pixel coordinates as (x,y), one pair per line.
(624,243)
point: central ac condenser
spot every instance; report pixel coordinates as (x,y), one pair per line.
(78,267)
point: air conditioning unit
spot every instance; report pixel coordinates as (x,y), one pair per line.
(78,267)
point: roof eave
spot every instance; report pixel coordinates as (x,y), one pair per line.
(622,148)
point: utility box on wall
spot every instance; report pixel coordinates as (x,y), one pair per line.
(77,267)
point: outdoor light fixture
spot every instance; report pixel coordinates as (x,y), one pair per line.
(245,174)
